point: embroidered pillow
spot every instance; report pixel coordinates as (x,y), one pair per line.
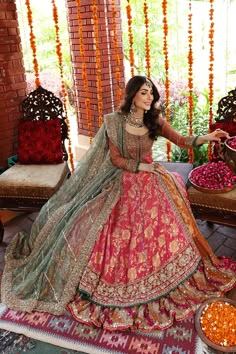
(39,142)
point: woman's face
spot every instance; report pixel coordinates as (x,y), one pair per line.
(143,98)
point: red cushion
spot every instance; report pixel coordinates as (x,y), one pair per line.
(39,142)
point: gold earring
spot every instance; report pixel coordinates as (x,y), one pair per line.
(133,108)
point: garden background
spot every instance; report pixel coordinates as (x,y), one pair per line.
(224,46)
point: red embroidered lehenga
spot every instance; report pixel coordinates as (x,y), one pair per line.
(116,248)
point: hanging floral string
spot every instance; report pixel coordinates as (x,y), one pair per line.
(147,44)
(117,57)
(131,40)
(211,70)
(84,72)
(98,63)
(190,77)
(33,43)
(166,61)
(64,93)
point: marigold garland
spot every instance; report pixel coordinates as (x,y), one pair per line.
(166,61)
(117,57)
(64,94)
(98,63)
(211,70)
(33,43)
(190,77)
(130,35)
(147,44)
(84,71)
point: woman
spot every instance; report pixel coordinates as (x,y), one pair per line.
(118,246)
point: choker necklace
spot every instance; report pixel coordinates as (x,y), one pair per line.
(134,122)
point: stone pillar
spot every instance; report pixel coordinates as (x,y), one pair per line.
(108,62)
(12,80)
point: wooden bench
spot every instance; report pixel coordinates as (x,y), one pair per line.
(219,208)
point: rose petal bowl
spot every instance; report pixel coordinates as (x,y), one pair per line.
(208,190)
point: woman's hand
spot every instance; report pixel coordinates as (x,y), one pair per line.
(216,135)
(147,167)
(154,167)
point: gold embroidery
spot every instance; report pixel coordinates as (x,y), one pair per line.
(141,290)
(174,246)
(148,232)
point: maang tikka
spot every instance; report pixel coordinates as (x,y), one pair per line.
(148,83)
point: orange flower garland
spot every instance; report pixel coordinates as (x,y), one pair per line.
(166,60)
(33,43)
(84,72)
(211,70)
(147,45)
(117,57)
(131,40)
(98,63)
(64,94)
(190,77)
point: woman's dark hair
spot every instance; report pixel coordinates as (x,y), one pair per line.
(150,118)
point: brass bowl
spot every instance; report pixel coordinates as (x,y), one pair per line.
(204,338)
(209,190)
(230,154)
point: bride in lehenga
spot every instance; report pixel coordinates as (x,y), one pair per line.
(117,246)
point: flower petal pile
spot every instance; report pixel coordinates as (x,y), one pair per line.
(218,323)
(232,143)
(213,175)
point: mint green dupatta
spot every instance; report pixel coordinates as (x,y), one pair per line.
(43,268)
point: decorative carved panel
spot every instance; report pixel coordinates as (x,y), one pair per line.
(42,104)
(227,107)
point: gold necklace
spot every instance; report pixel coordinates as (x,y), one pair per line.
(137,122)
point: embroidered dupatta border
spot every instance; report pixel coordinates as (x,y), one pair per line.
(82,187)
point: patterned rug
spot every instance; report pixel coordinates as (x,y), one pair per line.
(45,333)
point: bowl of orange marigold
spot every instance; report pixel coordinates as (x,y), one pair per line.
(215,323)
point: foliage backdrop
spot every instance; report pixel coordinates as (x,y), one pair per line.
(224,48)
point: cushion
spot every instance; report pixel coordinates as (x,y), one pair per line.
(32,181)
(182,168)
(39,142)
